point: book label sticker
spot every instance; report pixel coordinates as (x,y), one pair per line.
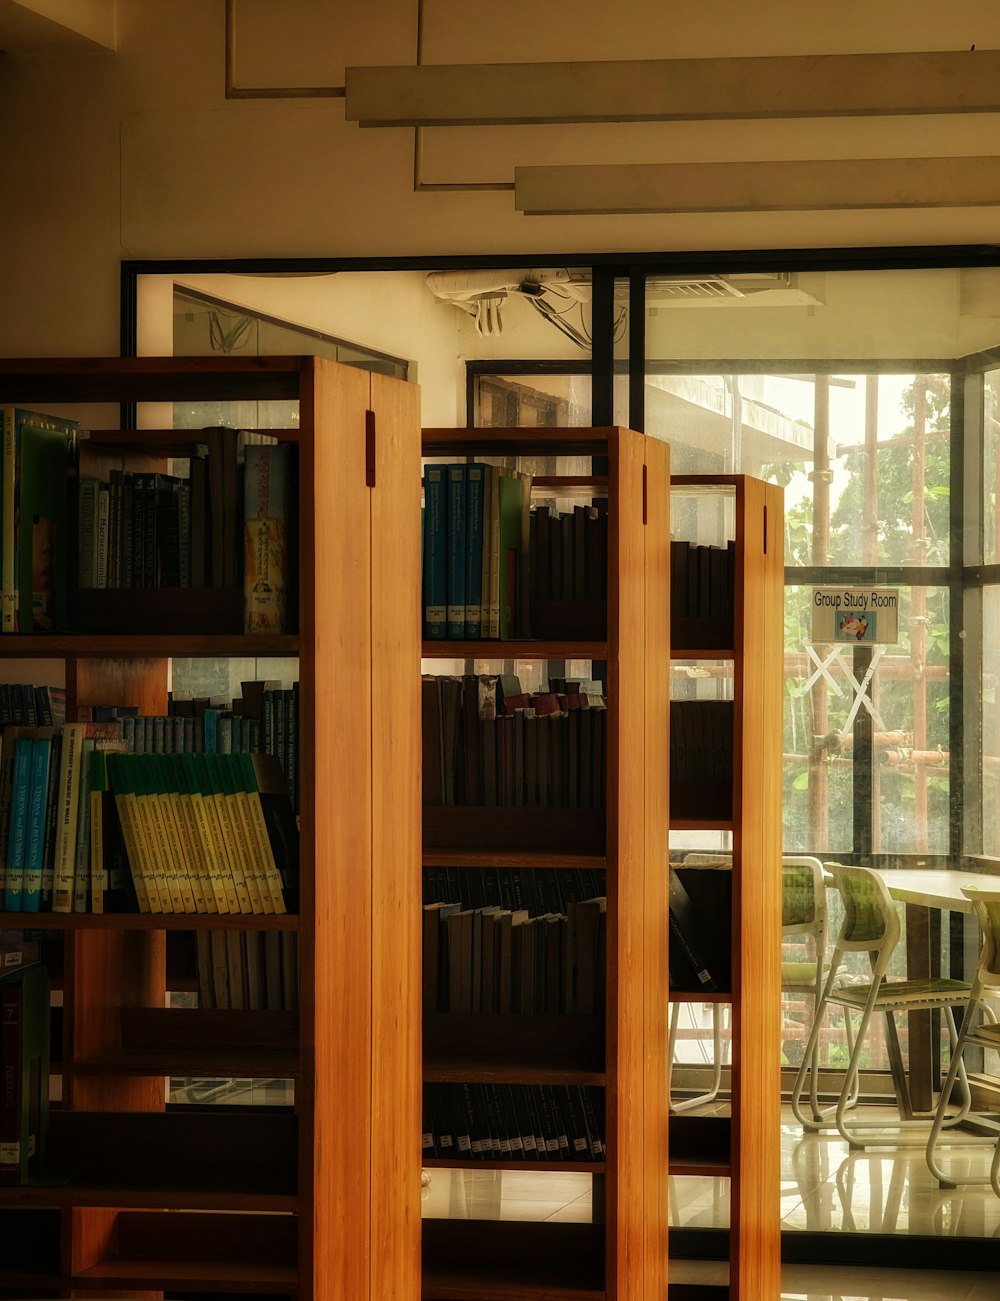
(867,616)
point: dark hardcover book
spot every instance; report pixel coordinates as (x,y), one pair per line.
(279,817)
(432,747)
(688,949)
(24,1074)
(128,531)
(567,579)
(200,519)
(469,770)
(114,527)
(168,538)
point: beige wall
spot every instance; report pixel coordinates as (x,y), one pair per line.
(137,154)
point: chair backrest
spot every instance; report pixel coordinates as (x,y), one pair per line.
(987,906)
(803,895)
(871,923)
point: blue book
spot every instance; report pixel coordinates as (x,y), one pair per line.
(455,615)
(211,737)
(17,841)
(31,893)
(474,485)
(435,553)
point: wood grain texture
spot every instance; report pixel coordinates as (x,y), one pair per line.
(656,819)
(396,619)
(106,971)
(336,812)
(756,1089)
(634,1221)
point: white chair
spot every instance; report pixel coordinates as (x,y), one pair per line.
(871,924)
(803,912)
(974,1034)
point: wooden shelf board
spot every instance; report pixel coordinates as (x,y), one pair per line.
(467,1285)
(36,1282)
(58,1196)
(699,996)
(698,1292)
(511,858)
(701,824)
(197,1063)
(568,481)
(139,646)
(473,1163)
(33,381)
(522,441)
(474,1070)
(128,438)
(515,650)
(47,921)
(206,1273)
(702,653)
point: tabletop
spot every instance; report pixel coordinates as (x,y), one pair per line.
(935,887)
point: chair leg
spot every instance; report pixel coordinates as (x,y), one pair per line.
(808,1070)
(701,1099)
(849,1089)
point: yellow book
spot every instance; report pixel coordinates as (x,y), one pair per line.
(149,805)
(165,795)
(228,765)
(191,846)
(213,824)
(214,883)
(229,834)
(133,835)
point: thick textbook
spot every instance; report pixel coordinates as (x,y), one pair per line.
(37,452)
(24,1073)
(266,550)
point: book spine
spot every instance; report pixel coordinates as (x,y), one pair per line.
(11,1011)
(128,530)
(265,539)
(184,528)
(18,835)
(41,750)
(69,794)
(474,552)
(455,527)
(103,510)
(88,533)
(81,873)
(9,594)
(435,554)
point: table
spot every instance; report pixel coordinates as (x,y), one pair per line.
(923,889)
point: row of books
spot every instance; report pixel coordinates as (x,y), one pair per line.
(541,749)
(513,1122)
(248,969)
(539,890)
(35,540)
(475,538)
(498,960)
(265,719)
(28,705)
(701,759)
(568,553)
(24,1069)
(85,826)
(702,581)
(228,522)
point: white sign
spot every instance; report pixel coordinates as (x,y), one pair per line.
(865,616)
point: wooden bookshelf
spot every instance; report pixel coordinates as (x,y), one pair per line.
(623,1253)
(321,1201)
(745,1146)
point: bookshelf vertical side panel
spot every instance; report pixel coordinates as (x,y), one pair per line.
(396,841)
(756,1087)
(628,1266)
(335,937)
(656,836)
(106,971)
(103,681)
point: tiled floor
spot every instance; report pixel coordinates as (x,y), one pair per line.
(824,1187)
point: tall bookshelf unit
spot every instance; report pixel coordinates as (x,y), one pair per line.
(622,1254)
(745,1146)
(320,1201)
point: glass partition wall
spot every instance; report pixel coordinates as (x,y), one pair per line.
(871,396)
